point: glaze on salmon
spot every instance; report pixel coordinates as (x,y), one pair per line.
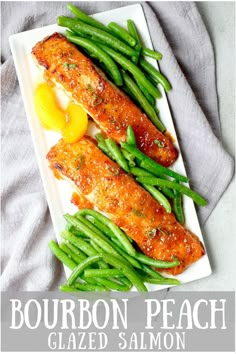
(104,184)
(109,107)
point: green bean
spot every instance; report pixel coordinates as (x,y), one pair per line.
(100,138)
(156,75)
(140,172)
(107,273)
(135,58)
(153,166)
(96,33)
(85,18)
(174,185)
(167,192)
(158,196)
(128,271)
(153,273)
(92,281)
(92,235)
(89,287)
(61,255)
(114,228)
(89,224)
(74,231)
(138,161)
(80,254)
(130,94)
(100,226)
(142,163)
(102,145)
(67,289)
(169,281)
(70,253)
(92,250)
(123,253)
(152,53)
(100,55)
(133,30)
(177,207)
(99,250)
(73,264)
(115,241)
(102,67)
(103,229)
(81,267)
(136,91)
(129,157)
(82,287)
(108,282)
(156,262)
(80,243)
(145,105)
(131,260)
(115,151)
(104,148)
(95,246)
(70,33)
(122,34)
(113,285)
(89,280)
(125,281)
(68,226)
(145,51)
(145,165)
(149,97)
(133,69)
(130,136)
(102,264)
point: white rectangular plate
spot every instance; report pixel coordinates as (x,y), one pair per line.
(59,193)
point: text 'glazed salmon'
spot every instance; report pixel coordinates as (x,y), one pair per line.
(113,111)
(104,184)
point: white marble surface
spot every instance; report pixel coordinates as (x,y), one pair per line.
(220,229)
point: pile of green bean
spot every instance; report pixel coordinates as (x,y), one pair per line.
(103,258)
(151,175)
(121,55)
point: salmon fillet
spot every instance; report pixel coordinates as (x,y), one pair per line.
(104,184)
(109,107)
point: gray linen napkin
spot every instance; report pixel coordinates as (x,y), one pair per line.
(179,33)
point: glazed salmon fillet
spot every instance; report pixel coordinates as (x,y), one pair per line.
(109,107)
(104,184)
